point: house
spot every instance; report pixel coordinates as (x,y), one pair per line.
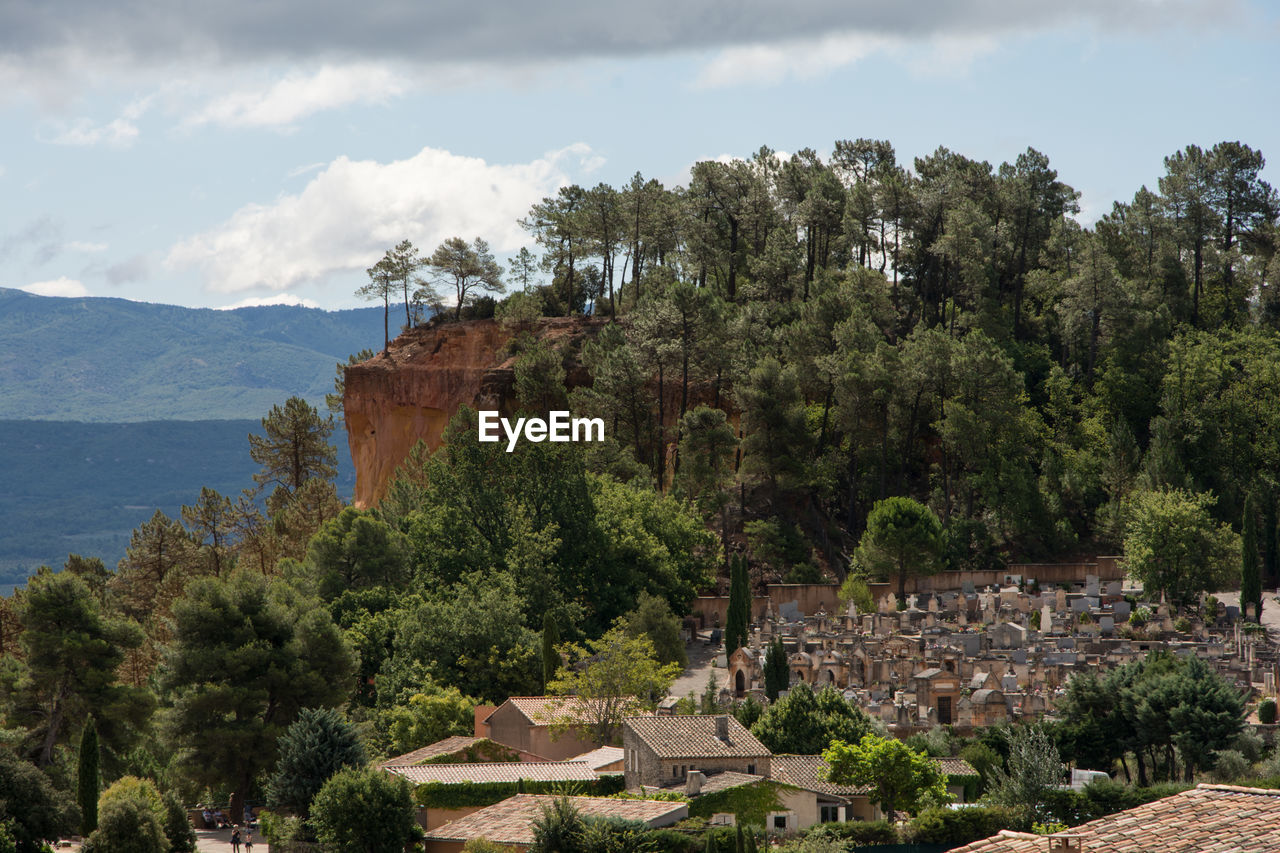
(524,723)
(830,802)
(1205,818)
(663,750)
(510,822)
(512,772)
(605,759)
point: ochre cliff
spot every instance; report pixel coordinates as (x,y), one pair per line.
(409,393)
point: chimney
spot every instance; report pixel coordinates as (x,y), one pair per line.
(722,728)
(693,782)
(1066,844)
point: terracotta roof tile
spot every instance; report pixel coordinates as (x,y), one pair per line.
(514,771)
(448,746)
(1205,819)
(511,821)
(695,737)
(601,757)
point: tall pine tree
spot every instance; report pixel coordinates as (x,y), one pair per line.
(1250,571)
(550,657)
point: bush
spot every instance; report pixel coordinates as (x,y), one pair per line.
(962,825)
(1230,765)
(177,826)
(1267,711)
(481,845)
(364,811)
(857,832)
(131,817)
(314,747)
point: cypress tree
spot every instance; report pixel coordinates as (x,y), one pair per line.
(87,779)
(550,657)
(776,674)
(1250,577)
(735,631)
(740,846)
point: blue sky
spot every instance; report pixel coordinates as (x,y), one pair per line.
(222,154)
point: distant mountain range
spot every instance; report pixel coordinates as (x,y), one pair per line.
(111,409)
(113,360)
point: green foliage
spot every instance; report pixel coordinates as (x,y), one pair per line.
(316,745)
(857,832)
(439,795)
(481,845)
(1230,766)
(131,819)
(1267,711)
(550,657)
(738,618)
(294,446)
(962,825)
(361,810)
(177,826)
(35,810)
(805,723)
(748,711)
(1173,546)
(903,537)
(88,779)
(356,551)
(1032,768)
(900,778)
(248,655)
(751,803)
(777,674)
(855,590)
(610,678)
(425,718)
(653,618)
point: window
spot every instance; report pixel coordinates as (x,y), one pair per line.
(751,768)
(780,821)
(675,772)
(829,814)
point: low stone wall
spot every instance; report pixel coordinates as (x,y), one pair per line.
(813,597)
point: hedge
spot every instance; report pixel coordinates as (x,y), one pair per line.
(439,795)
(750,803)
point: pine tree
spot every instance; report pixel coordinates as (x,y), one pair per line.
(550,657)
(87,779)
(295,447)
(1250,576)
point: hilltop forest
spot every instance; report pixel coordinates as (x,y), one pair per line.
(782,345)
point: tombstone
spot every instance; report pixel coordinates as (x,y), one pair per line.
(972,644)
(913,601)
(1122,610)
(932,606)
(868,624)
(967,588)
(1107,624)
(963,619)
(1009,683)
(889,603)
(1091,585)
(1233,613)
(930,619)
(790,611)
(1079,605)
(1114,588)
(1046,619)
(1060,600)
(1020,656)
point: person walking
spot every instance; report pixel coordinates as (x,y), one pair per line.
(248,841)
(235,840)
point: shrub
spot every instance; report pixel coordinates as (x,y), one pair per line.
(177,826)
(481,845)
(962,825)
(1267,711)
(364,811)
(1230,765)
(314,747)
(857,832)
(131,817)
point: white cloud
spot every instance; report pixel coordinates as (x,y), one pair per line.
(278,299)
(61,286)
(354,210)
(119,132)
(86,247)
(803,59)
(299,94)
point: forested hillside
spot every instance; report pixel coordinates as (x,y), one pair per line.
(944,329)
(113,360)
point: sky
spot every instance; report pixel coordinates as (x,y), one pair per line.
(259,151)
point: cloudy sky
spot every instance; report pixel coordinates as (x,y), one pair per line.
(248,151)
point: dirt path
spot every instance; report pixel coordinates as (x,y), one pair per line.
(698,673)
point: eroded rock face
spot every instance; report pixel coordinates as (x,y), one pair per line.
(396,399)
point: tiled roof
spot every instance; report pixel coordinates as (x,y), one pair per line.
(955,767)
(726,779)
(695,737)
(540,710)
(601,757)
(448,746)
(1206,819)
(511,821)
(805,771)
(513,771)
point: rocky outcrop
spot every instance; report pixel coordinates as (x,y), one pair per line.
(408,394)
